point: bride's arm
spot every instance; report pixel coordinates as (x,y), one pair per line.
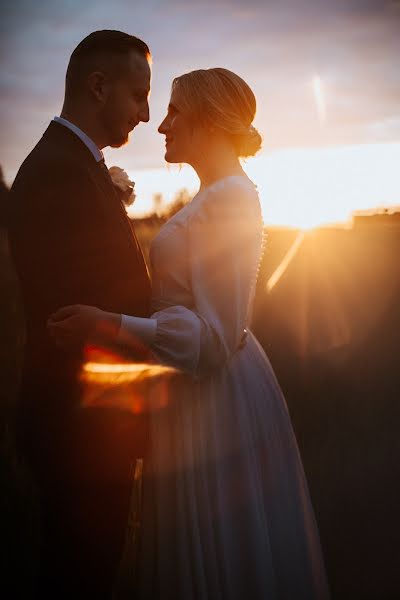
(223,250)
(77,324)
(137,327)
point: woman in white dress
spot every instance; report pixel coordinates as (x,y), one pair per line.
(230,515)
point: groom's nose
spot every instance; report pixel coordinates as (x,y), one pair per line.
(144,114)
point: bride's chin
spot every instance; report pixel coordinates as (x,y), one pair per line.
(168,158)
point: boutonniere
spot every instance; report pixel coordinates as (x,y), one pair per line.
(124,185)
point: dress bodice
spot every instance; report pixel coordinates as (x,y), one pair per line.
(170,256)
(204,264)
(169,262)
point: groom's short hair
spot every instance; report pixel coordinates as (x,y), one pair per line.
(93,48)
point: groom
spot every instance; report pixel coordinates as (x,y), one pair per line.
(72,243)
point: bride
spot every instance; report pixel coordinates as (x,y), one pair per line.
(231,516)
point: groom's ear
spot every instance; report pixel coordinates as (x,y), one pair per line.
(98,85)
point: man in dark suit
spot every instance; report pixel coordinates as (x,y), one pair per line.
(72,242)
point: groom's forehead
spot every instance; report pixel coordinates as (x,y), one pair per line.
(137,66)
(133,68)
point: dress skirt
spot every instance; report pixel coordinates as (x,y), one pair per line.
(227,513)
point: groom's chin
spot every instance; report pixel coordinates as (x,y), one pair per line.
(117,143)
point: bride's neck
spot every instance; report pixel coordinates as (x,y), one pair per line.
(215,166)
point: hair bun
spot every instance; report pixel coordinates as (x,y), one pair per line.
(248,143)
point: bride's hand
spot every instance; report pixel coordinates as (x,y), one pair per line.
(75,325)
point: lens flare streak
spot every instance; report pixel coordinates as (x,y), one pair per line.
(279,271)
(319,99)
(123,372)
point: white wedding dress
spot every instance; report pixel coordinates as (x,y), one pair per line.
(229,515)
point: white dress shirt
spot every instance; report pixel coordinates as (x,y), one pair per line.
(89,143)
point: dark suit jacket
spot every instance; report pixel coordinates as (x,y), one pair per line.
(72,243)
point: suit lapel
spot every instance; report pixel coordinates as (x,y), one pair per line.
(74,146)
(110,196)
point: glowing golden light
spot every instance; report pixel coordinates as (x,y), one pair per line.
(312,301)
(319,98)
(301,187)
(110,381)
(123,372)
(279,271)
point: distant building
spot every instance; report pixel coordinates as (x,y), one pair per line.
(377,218)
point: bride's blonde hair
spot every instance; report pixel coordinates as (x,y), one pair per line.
(220,98)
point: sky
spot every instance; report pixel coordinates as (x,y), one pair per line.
(326,74)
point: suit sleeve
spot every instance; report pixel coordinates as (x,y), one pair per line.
(55,219)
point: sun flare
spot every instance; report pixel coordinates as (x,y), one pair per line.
(319,98)
(300,187)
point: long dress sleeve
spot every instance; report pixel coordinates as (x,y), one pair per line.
(223,247)
(137,327)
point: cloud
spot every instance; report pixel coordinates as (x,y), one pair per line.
(276,45)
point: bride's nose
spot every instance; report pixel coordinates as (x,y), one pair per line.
(163,128)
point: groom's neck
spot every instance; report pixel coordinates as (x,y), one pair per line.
(85,124)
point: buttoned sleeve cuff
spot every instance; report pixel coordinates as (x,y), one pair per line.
(137,327)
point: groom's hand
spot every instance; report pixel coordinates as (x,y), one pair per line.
(73,326)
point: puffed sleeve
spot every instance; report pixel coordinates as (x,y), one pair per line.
(224,244)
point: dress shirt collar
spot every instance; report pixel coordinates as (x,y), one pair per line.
(97,153)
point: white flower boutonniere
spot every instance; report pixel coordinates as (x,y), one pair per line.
(124,185)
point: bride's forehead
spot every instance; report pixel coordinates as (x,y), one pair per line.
(176,96)
(178,101)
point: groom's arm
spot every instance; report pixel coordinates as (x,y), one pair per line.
(55,235)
